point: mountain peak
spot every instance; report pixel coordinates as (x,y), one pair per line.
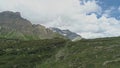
(10,14)
(67,33)
(12,25)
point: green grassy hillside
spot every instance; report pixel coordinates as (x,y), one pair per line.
(59,53)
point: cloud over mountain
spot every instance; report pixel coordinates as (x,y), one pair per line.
(79,16)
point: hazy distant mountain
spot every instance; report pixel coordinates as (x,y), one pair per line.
(12,25)
(67,33)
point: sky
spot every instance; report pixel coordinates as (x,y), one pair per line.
(89,18)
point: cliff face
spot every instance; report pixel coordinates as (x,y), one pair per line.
(12,25)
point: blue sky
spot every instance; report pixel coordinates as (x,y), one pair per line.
(112,5)
(108,4)
(89,18)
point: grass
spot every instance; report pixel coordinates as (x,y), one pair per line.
(60,53)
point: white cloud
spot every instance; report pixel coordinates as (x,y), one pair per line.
(48,9)
(119,8)
(66,14)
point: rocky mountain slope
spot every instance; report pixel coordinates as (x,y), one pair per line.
(67,33)
(12,25)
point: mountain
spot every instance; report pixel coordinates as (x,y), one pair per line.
(50,52)
(12,25)
(67,33)
(60,53)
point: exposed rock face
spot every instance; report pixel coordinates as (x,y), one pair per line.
(10,14)
(67,33)
(12,25)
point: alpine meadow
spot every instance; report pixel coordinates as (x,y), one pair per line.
(59,34)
